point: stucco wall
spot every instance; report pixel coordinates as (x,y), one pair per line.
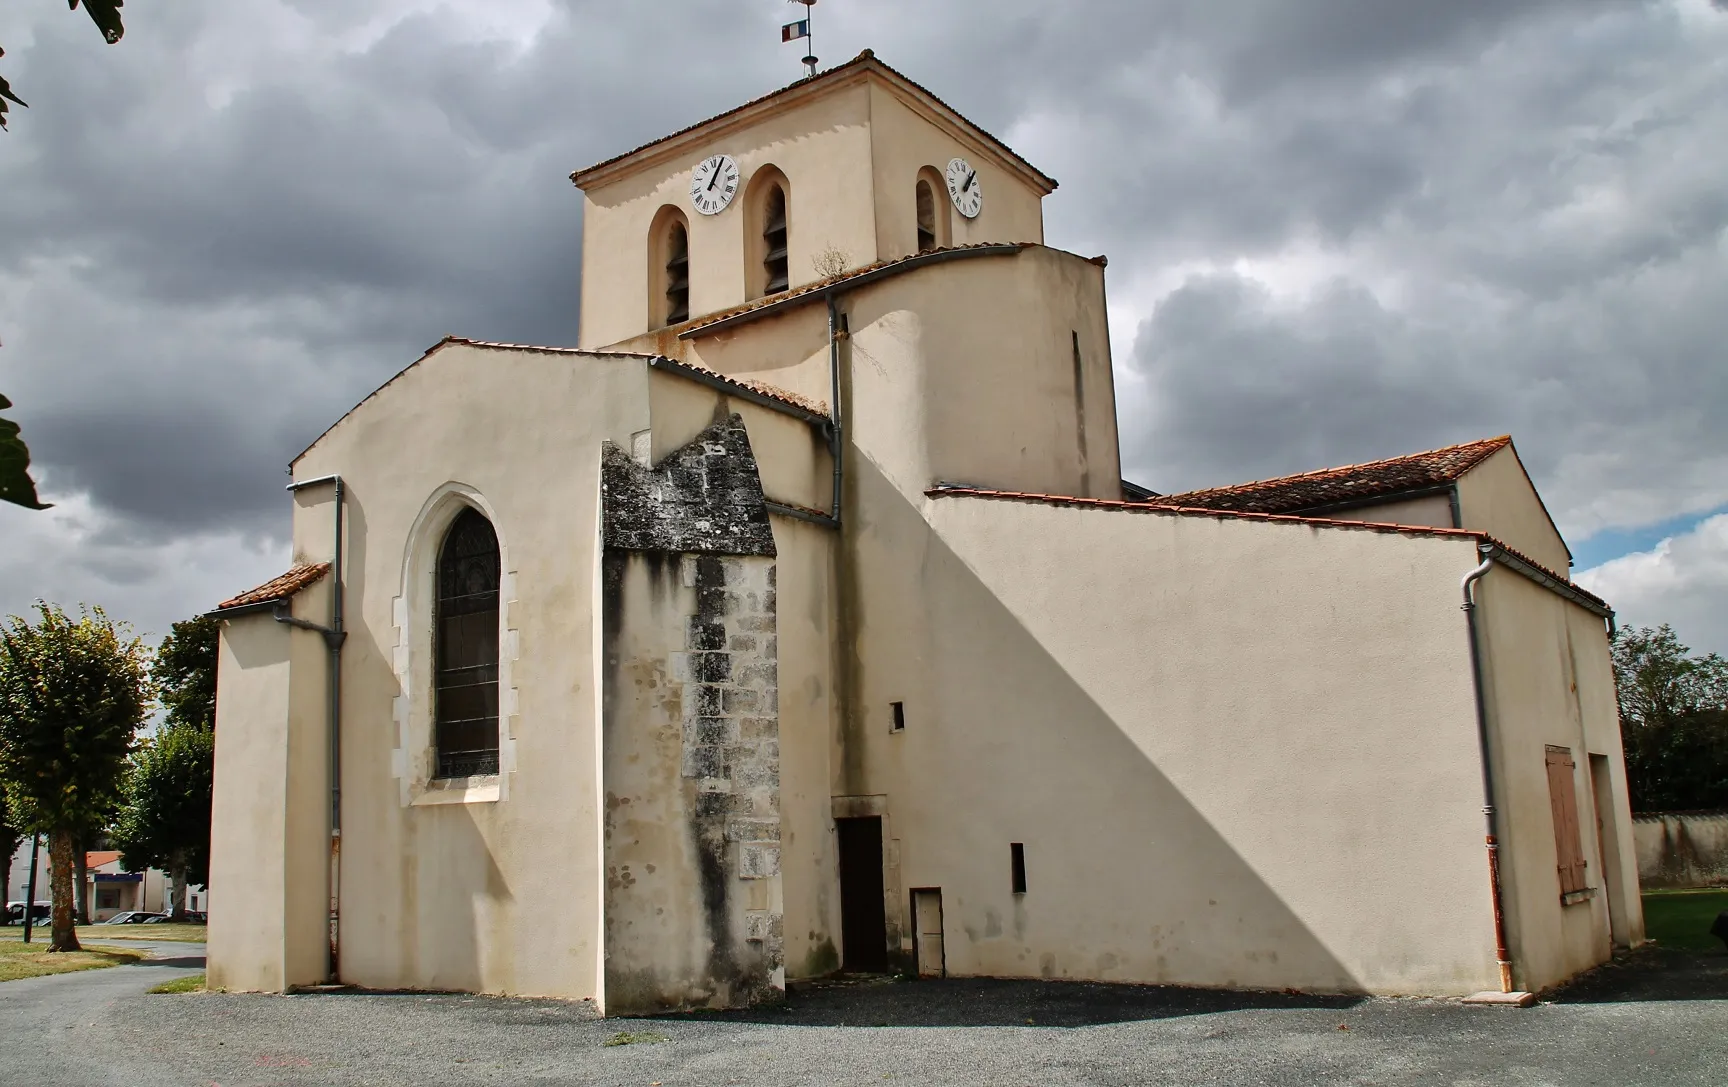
(823,148)
(269,842)
(496,887)
(1118,692)
(1498,498)
(906,137)
(1682,849)
(1433,510)
(1549,681)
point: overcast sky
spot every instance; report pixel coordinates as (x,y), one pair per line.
(1337,229)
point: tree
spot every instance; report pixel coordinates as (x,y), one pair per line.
(16,486)
(185,672)
(72,696)
(106,15)
(1673,721)
(166,820)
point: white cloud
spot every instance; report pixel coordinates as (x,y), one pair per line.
(1682,581)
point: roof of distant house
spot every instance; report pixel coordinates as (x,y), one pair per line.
(281,587)
(96,858)
(866,59)
(1350,484)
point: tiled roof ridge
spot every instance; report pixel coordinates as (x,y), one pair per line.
(866,57)
(773,392)
(281,587)
(1486,447)
(538,348)
(819,285)
(1247,515)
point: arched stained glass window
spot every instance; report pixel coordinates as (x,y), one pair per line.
(466,696)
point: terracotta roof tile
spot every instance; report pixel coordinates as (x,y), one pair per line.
(867,58)
(821,285)
(279,588)
(1346,485)
(96,858)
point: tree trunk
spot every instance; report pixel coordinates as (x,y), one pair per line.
(64,936)
(177,872)
(81,878)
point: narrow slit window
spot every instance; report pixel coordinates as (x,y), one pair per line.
(899,724)
(466,694)
(677,274)
(926,217)
(1017,856)
(774,259)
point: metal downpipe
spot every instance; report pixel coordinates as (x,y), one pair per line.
(334,636)
(1502,955)
(836,448)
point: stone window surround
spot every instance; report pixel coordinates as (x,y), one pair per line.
(412,758)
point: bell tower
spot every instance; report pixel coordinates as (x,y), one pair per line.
(841,170)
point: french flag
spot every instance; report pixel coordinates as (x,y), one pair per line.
(791,32)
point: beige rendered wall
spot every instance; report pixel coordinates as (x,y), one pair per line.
(961,371)
(795,468)
(269,814)
(1114,690)
(1550,682)
(823,148)
(494,888)
(1498,498)
(1433,510)
(906,137)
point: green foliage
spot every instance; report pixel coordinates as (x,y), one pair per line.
(104,13)
(185,672)
(165,821)
(16,486)
(1673,721)
(72,695)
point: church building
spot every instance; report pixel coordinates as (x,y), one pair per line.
(798,620)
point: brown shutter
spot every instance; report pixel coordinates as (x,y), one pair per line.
(1563,796)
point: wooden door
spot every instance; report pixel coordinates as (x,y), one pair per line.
(927,929)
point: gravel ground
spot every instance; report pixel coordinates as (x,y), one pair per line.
(1659,1018)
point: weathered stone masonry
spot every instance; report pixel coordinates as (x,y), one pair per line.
(691,729)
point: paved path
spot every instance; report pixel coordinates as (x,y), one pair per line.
(1658,1021)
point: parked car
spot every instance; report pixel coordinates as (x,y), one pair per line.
(132,917)
(15,913)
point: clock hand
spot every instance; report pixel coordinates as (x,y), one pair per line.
(713,177)
(970,178)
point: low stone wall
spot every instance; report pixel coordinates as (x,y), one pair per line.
(1682,849)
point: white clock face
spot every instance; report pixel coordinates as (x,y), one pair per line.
(713,184)
(964,188)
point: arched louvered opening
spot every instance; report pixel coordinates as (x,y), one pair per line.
(926,217)
(677,274)
(775,265)
(466,650)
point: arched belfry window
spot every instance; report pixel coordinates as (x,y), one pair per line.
(466,635)
(932,211)
(775,265)
(926,217)
(668,269)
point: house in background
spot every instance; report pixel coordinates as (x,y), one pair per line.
(801,613)
(111,888)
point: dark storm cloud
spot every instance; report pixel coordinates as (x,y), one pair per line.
(1351,227)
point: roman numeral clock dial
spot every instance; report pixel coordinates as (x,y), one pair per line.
(964,188)
(713,184)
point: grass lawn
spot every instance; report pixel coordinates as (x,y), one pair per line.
(1682,919)
(193,984)
(20,960)
(102,934)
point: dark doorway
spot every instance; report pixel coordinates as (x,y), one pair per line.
(863,922)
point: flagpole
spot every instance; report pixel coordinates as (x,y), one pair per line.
(810,37)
